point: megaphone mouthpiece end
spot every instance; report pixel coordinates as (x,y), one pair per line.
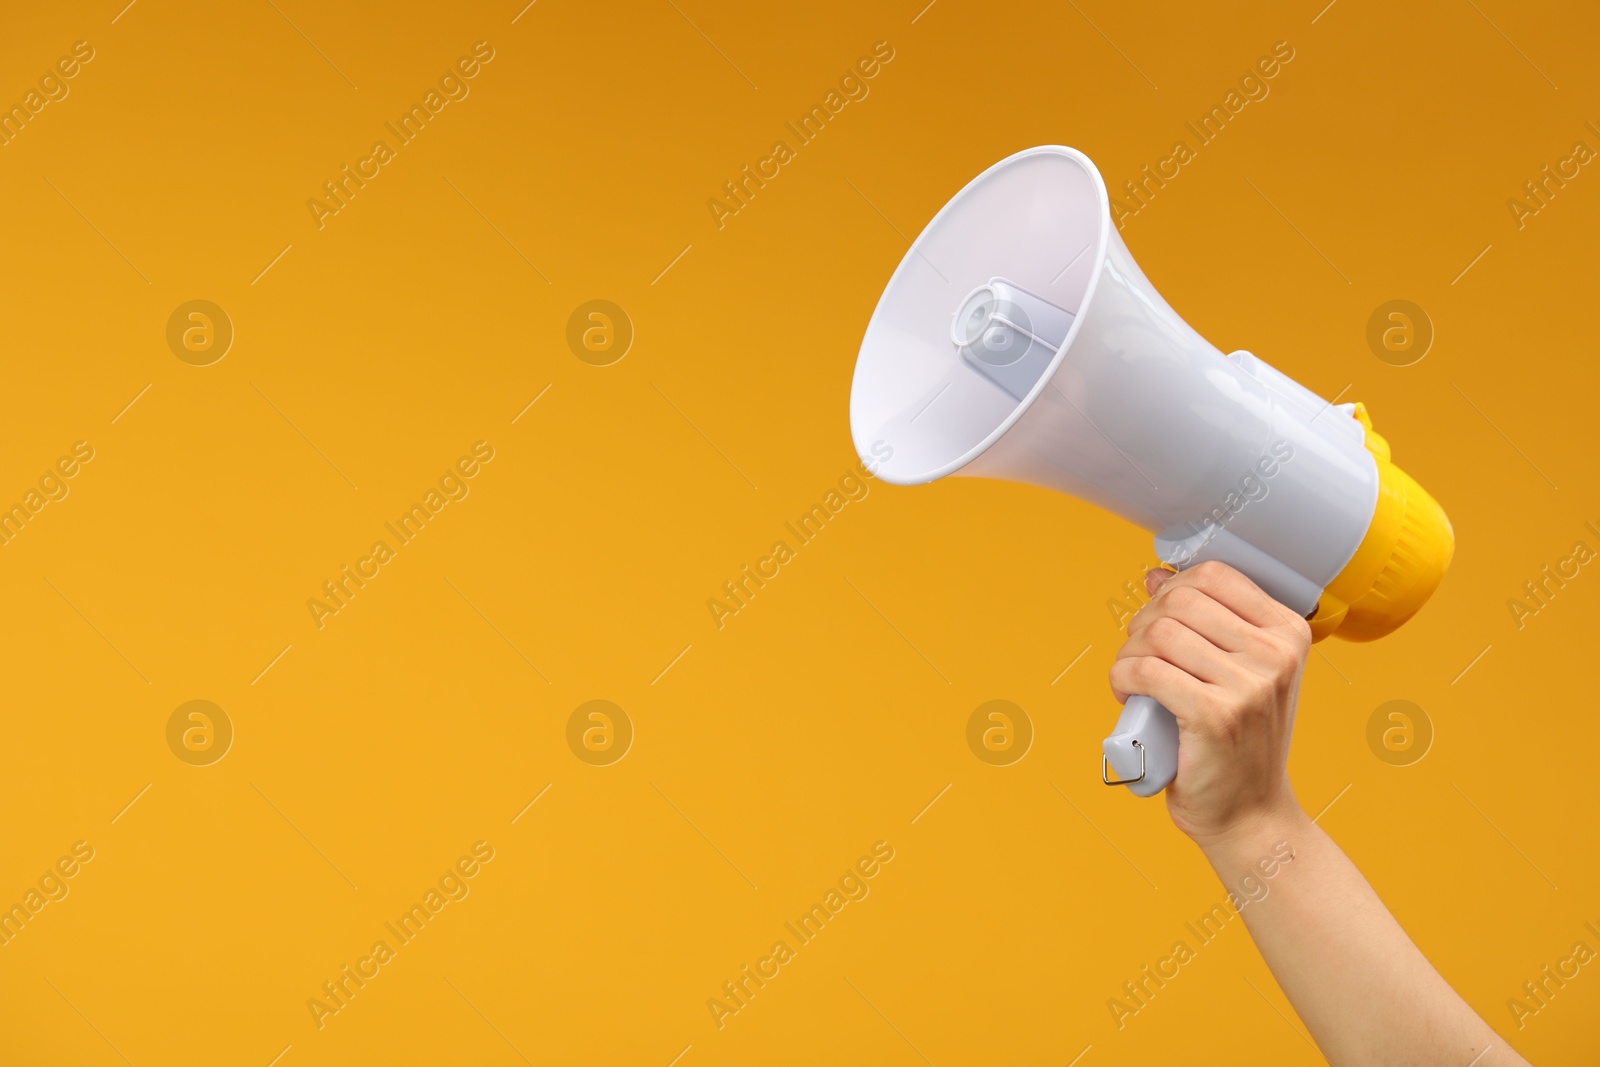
(1400,562)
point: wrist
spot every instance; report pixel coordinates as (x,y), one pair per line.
(1251,858)
(1252,836)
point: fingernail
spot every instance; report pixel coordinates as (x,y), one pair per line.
(1153,579)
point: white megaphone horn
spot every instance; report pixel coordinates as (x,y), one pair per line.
(1019,340)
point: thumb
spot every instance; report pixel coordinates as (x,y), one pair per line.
(1153,579)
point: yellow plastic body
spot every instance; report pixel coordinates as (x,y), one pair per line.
(1399,563)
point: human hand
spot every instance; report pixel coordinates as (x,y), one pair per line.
(1225,659)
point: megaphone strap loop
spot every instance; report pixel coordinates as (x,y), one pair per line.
(1105,767)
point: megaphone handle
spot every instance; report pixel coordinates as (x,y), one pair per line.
(1143,749)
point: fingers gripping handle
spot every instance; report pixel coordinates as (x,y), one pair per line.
(1142,752)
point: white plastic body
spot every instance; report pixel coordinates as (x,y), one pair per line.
(1219,457)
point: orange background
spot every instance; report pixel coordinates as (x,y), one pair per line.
(770,754)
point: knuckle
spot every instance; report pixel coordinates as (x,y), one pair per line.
(1274,647)
(1296,646)
(1282,651)
(1144,671)
(1165,632)
(1185,597)
(1261,690)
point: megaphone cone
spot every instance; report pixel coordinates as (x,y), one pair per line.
(1019,340)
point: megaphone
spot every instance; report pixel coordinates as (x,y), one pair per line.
(1019,340)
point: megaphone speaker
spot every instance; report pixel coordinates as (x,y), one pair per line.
(1019,340)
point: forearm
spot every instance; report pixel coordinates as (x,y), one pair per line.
(1226,659)
(1366,993)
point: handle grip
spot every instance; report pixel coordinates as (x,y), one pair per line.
(1143,750)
